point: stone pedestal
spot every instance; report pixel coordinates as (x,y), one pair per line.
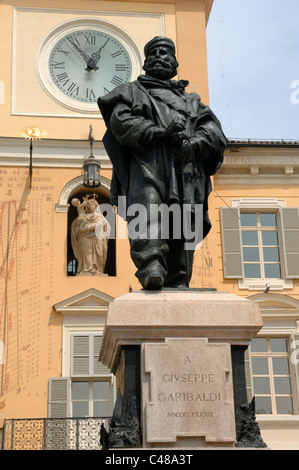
(189,386)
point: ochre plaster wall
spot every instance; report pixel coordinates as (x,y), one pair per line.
(26,103)
(33,262)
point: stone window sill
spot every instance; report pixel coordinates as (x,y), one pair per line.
(261,284)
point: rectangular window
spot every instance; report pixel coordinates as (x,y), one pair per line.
(91,398)
(260,240)
(271,375)
(91,386)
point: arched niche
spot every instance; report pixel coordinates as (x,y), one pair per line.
(75,189)
(76,184)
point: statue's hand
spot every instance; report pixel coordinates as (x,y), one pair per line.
(176,126)
(177,139)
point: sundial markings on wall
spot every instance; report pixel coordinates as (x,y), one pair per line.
(9,316)
(29,250)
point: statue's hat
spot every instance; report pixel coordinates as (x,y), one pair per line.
(159,41)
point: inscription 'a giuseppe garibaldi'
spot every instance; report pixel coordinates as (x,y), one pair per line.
(191,392)
(204,378)
(189,396)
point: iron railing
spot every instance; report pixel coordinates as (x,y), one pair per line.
(53,433)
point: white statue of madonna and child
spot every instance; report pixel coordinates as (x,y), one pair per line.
(89,238)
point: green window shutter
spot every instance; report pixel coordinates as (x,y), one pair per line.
(58,406)
(98,367)
(290,241)
(231,243)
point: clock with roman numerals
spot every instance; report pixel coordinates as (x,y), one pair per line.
(82,61)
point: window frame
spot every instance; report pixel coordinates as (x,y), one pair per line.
(91,400)
(269,355)
(259,229)
(83,314)
(231,235)
(91,377)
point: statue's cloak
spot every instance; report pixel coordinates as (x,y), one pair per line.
(132,114)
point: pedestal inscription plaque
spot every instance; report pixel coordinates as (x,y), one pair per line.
(189,391)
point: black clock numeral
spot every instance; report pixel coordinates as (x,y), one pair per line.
(74,39)
(73,88)
(116,80)
(59,65)
(63,78)
(90,39)
(106,91)
(116,54)
(90,94)
(62,51)
(120,67)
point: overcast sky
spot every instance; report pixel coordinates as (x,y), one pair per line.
(253,61)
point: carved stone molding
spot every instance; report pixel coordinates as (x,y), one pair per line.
(260,165)
(62,205)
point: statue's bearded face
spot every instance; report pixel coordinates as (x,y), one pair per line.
(160,63)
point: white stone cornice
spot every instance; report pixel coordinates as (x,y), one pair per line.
(260,166)
(50,153)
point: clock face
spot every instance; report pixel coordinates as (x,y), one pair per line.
(87,63)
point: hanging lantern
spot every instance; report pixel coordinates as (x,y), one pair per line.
(91,167)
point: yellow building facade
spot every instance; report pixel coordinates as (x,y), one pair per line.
(52,320)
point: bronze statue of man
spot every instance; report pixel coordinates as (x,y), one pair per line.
(164,144)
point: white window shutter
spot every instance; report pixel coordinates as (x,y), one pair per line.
(290,240)
(80,355)
(231,243)
(98,367)
(85,353)
(295,360)
(59,389)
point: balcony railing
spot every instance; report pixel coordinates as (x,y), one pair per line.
(53,433)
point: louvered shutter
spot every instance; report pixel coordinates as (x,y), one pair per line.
(98,367)
(85,354)
(231,243)
(290,241)
(59,389)
(80,356)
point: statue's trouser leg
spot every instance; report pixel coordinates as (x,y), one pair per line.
(149,254)
(152,252)
(179,263)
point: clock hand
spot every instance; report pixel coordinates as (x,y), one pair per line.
(91,64)
(82,53)
(97,55)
